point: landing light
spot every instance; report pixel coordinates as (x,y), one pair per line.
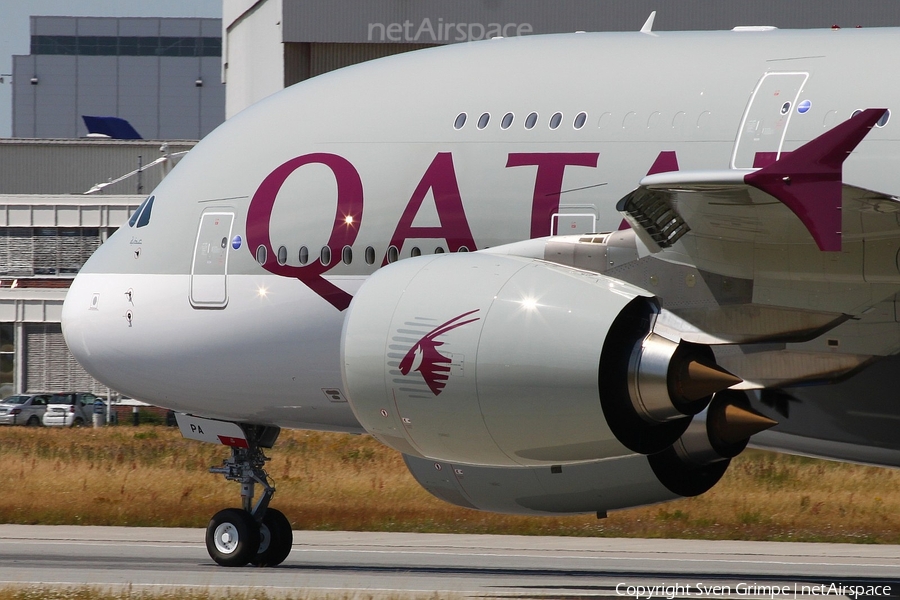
(262,291)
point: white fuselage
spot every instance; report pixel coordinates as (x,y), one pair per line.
(368,157)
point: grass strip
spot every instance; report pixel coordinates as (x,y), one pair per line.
(128,592)
(151,476)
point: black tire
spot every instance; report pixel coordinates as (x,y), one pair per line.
(33,421)
(276,539)
(232,537)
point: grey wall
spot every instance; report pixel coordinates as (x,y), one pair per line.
(158,95)
(74,166)
(349,20)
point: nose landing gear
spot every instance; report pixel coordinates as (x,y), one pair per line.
(255,533)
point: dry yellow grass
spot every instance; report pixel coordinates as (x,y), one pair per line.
(151,476)
(44,592)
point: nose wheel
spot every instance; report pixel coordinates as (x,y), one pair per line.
(275,539)
(232,537)
(254,534)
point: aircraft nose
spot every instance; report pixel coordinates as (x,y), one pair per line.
(89,316)
(76,320)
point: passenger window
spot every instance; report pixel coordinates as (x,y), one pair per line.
(531,120)
(555,120)
(580,120)
(282,255)
(304,255)
(261,255)
(415,251)
(507,121)
(460,121)
(325,255)
(393,254)
(370,255)
(439,250)
(484,120)
(347,255)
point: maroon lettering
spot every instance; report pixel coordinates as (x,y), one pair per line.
(440,178)
(548,182)
(347,219)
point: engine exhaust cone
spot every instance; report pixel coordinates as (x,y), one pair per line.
(735,423)
(697,380)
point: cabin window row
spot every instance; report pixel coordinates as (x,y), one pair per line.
(304,256)
(580,119)
(530,122)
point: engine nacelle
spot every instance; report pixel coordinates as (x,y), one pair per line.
(590,487)
(691,466)
(495,360)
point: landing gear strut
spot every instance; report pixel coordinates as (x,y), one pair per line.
(255,533)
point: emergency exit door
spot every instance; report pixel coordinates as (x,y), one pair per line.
(766,120)
(209,269)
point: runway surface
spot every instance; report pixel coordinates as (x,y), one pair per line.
(438,566)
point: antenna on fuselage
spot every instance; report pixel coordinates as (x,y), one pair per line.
(648,24)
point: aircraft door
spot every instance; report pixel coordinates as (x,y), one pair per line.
(766,119)
(210,266)
(573,219)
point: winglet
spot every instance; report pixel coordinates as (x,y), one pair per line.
(648,24)
(809,179)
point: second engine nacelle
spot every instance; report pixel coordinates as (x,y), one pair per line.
(495,360)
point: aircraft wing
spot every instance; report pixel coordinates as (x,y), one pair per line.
(789,201)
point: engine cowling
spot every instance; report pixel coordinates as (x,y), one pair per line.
(484,359)
(589,487)
(691,466)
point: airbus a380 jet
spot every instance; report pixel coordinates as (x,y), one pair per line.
(560,274)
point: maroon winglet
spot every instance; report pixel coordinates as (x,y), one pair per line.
(809,179)
(666,162)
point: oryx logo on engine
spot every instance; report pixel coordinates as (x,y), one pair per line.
(425,358)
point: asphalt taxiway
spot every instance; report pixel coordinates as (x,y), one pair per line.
(462,566)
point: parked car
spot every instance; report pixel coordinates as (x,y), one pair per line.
(23,409)
(69,409)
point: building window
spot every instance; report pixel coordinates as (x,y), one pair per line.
(89,45)
(43,251)
(7,359)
